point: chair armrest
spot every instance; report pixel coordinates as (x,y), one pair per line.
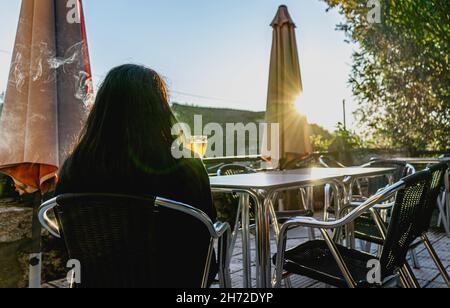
(45,221)
(382,206)
(221,228)
(352,216)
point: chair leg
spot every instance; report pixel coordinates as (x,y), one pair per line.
(366,246)
(236,228)
(411,277)
(327,202)
(440,203)
(339,260)
(415,259)
(246,254)
(274,218)
(436,259)
(279,266)
(224,261)
(310,205)
(444,212)
(288,282)
(404,279)
(208,265)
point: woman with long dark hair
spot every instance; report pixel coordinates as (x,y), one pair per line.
(126,148)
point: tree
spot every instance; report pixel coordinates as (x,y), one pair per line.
(400,74)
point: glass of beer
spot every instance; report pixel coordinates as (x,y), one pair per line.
(198,146)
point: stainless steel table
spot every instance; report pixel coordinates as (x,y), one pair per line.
(262,187)
(444,202)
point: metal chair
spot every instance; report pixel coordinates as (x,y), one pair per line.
(365,228)
(330,162)
(437,184)
(402,171)
(234,169)
(332,204)
(121,241)
(339,266)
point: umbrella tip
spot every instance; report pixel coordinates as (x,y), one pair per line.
(282,17)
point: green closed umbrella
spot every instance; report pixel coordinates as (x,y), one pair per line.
(285,87)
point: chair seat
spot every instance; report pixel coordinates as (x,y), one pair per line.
(315,260)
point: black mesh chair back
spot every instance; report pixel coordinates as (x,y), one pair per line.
(234,169)
(402,170)
(405,221)
(437,185)
(128,242)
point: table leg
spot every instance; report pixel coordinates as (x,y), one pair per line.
(350,228)
(246,247)
(263,265)
(310,205)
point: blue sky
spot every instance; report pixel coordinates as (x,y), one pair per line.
(211,48)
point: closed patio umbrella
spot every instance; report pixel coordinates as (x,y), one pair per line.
(47,99)
(285,87)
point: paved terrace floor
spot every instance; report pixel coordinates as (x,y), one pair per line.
(428,275)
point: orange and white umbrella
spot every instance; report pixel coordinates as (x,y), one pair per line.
(48,94)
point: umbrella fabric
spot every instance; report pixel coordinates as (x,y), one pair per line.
(48,94)
(285,87)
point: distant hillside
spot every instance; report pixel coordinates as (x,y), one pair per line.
(222,116)
(185,114)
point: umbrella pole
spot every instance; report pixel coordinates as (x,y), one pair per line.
(35,271)
(35,261)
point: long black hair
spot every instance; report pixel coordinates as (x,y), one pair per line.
(129,126)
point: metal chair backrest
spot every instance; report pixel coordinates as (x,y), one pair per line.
(437,186)
(132,242)
(402,171)
(330,162)
(234,169)
(405,221)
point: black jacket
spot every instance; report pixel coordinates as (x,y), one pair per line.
(186,181)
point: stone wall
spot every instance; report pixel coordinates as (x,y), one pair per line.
(15,242)
(15,232)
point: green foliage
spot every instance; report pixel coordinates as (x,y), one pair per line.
(340,140)
(350,139)
(401,73)
(320,144)
(321,138)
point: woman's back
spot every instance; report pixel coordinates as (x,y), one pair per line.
(126,148)
(187,182)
